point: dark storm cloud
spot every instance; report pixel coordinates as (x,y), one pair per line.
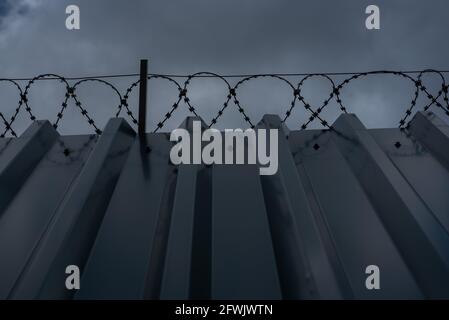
(5,8)
(231,36)
(9,6)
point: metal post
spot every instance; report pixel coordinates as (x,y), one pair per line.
(143,97)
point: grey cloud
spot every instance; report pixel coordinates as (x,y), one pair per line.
(232,36)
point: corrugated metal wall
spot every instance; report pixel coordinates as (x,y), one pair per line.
(139,227)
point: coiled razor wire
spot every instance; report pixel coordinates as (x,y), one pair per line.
(297,98)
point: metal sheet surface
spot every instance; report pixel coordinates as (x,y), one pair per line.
(140,227)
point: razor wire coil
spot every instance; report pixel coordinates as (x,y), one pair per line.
(232,97)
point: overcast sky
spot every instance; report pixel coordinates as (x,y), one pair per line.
(222,36)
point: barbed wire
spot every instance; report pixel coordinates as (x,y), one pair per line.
(315,113)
